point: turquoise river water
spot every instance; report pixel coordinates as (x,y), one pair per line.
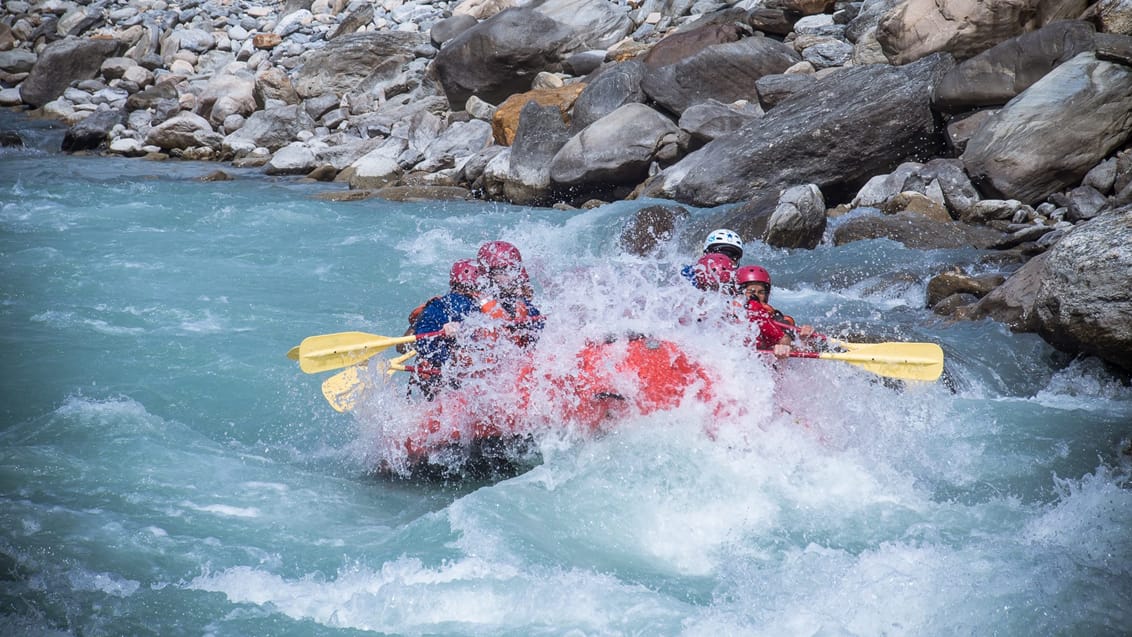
(166,470)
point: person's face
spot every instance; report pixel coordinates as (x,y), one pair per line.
(504,278)
(757,291)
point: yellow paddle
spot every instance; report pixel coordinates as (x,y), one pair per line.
(335,351)
(344,389)
(829,339)
(906,361)
(293,353)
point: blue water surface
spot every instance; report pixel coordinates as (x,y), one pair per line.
(166,470)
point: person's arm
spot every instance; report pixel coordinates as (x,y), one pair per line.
(432,319)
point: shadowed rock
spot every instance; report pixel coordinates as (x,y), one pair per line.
(850,126)
(993,77)
(724,72)
(650,227)
(92,132)
(499,56)
(542,133)
(1084,301)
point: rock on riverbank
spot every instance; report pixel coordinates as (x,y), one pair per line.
(1003,125)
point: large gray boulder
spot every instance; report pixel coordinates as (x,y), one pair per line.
(963,28)
(724,72)
(798,221)
(708,120)
(499,56)
(917,231)
(184,130)
(595,24)
(93,131)
(1012,303)
(609,90)
(1050,136)
(615,150)
(356,63)
(993,77)
(63,62)
(272,129)
(227,93)
(1084,303)
(850,126)
(540,136)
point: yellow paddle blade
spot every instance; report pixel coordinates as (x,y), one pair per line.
(335,351)
(344,389)
(906,361)
(293,353)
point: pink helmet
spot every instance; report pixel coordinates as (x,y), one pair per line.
(712,271)
(752,274)
(499,254)
(465,273)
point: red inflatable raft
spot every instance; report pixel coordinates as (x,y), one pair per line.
(607,381)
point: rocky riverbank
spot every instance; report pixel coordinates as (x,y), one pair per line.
(936,123)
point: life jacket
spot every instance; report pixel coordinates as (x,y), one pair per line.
(495,309)
(766,316)
(416,314)
(515,322)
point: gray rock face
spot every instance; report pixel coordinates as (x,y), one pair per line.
(1012,303)
(798,220)
(916,231)
(847,128)
(963,28)
(541,134)
(613,87)
(92,132)
(723,72)
(272,129)
(993,77)
(595,24)
(63,62)
(1051,135)
(498,56)
(357,62)
(448,28)
(185,130)
(616,149)
(710,119)
(1084,303)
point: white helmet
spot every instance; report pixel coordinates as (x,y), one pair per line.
(723,237)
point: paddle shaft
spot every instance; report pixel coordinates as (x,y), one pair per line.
(906,361)
(335,351)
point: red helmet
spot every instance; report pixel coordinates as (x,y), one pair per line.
(752,274)
(499,254)
(465,273)
(712,271)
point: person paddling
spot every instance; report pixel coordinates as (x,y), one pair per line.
(465,282)
(713,272)
(721,241)
(712,275)
(753,283)
(507,294)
